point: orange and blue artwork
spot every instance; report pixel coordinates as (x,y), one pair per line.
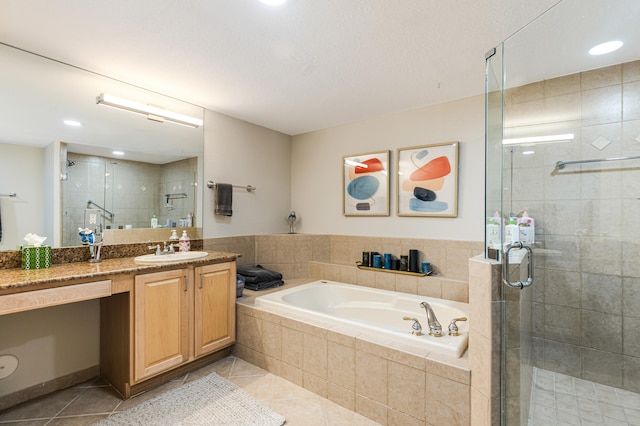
(428,180)
(366,184)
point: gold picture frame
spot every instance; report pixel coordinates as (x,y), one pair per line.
(427,183)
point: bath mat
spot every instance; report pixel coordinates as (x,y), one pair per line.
(211,400)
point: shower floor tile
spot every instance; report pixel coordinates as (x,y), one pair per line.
(558,399)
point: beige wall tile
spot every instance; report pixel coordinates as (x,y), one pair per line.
(407,284)
(397,418)
(371,409)
(315,355)
(406,389)
(631,71)
(601,77)
(385,281)
(291,373)
(449,401)
(341,396)
(371,377)
(271,339)
(430,287)
(562,85)
(455,290)
(315,384)
(292,347)
(341,365)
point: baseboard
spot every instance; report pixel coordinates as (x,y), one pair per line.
(45,388)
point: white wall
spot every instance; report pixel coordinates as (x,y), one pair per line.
(22,171)
(316,184)
(242,153)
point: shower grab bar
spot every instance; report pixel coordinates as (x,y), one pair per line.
(89,203)
(249,188)
(505,266)
(561,164)
(11,194)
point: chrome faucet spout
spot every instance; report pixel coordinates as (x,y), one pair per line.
(435,329)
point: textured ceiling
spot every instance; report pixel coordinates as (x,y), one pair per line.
(309,65)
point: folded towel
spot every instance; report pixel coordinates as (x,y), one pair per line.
(223,199)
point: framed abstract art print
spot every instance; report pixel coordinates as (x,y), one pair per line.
(365,183)
(428,180)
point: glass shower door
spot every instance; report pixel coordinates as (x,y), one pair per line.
(569,156)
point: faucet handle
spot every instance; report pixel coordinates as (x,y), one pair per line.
(453,327)
(417,328)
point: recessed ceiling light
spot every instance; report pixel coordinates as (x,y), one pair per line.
(528,152)
(118,153)
(607,47)
(72,123)
(273,2)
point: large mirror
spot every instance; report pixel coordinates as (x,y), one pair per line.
(156,169)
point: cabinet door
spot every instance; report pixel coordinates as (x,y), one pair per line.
(215,303)
(161,321)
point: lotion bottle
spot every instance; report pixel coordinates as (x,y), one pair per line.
(185,242)
(154,221)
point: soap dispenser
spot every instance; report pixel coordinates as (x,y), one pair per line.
(185,242)
(174,235)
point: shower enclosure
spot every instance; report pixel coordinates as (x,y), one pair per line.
(563,144)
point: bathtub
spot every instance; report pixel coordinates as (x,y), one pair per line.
(373,311)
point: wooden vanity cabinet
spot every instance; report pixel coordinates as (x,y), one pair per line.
(170,322)
(214,307)
(161,322)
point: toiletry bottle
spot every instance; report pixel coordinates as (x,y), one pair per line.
(189,223)
(174,235)
(493,231)
(527,229)
(185,242)
(511,232)
(154,221)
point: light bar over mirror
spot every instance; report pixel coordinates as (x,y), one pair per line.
(151,112)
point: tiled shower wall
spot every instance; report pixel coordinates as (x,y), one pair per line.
(586,298)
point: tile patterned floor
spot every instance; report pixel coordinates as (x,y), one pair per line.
(92,401)
(557,399)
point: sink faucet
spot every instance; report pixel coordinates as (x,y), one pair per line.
(435,329)
(156,248)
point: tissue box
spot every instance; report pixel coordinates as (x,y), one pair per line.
(36,257)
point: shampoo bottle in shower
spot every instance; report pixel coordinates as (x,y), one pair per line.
(527,229)
(511,232)
(154,221)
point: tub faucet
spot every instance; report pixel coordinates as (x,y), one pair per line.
(435,329)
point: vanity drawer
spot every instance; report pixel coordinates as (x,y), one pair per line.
(37,299)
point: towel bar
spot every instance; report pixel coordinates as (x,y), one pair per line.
(249,188)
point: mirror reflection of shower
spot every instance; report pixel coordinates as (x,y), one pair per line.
(132,192)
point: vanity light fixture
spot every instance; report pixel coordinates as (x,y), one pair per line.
(152,112)
(607,47)
(539,139)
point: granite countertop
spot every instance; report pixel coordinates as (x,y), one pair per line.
(16,280)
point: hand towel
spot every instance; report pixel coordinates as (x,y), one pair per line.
(223,199)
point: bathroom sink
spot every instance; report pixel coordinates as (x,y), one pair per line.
(173,257)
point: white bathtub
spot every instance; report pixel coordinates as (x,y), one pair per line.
(373,311)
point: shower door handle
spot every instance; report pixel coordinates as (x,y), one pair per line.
(505,267)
